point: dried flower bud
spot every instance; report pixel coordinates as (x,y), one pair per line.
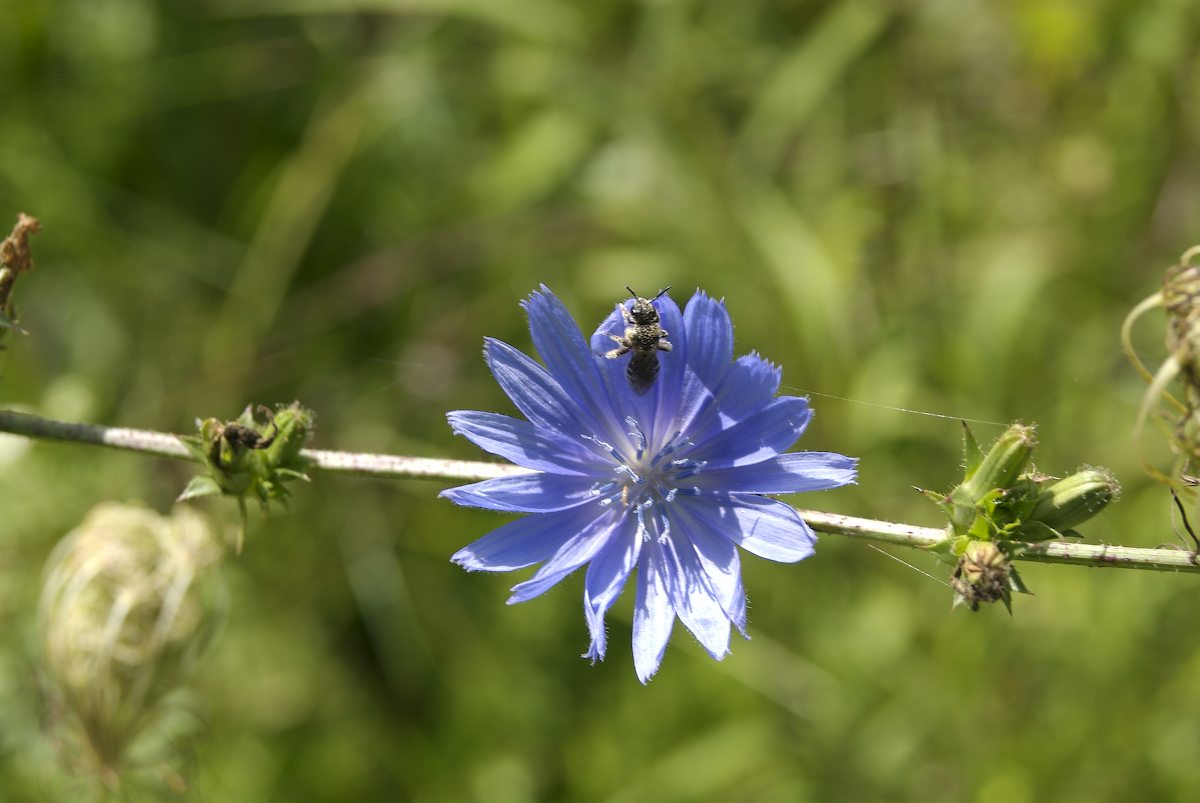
(125,608)
(15,259)
(1181,300)
(982,575)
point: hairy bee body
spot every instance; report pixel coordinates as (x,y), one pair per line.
(643,339)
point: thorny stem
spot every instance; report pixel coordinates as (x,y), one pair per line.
(1099,555)
(163,444)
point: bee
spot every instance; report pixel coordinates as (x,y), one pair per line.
(644,338)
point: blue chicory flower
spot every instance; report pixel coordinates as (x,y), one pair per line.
(670,482)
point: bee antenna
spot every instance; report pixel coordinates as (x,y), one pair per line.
(630,289)
(662,292)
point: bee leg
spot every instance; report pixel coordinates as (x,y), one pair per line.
(622,349)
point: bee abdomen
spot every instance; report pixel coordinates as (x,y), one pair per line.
(641,372)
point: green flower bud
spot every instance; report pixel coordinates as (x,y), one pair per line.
(988,477)
(126,607)
(1004,462)
(294,425)
(1075,499)
(255,455)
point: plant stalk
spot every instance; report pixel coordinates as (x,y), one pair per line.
(162,444)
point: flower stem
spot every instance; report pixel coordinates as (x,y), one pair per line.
(162,444)
(1098,555)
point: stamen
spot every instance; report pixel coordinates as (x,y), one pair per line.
(605,445)
(630,473)
(687,468)
(605,489)
(664,525)
(674,444)
(601,487)
(639,511)
(638,436)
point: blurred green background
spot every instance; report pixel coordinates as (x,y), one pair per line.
(940,205)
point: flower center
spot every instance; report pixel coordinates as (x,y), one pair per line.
(643,478)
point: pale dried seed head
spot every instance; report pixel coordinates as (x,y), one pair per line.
(126,606)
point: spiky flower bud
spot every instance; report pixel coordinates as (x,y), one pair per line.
(252,456)
(293,426)
(1004,462)
(1075,499)
(987,476)
(126,606)
(1002,502)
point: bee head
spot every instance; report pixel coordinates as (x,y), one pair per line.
(643,311)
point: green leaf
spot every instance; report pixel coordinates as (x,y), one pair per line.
(201,485)
(1006,598)
(1035,531)
(972,454)
(1015,583)
(289,473)
(948,549)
